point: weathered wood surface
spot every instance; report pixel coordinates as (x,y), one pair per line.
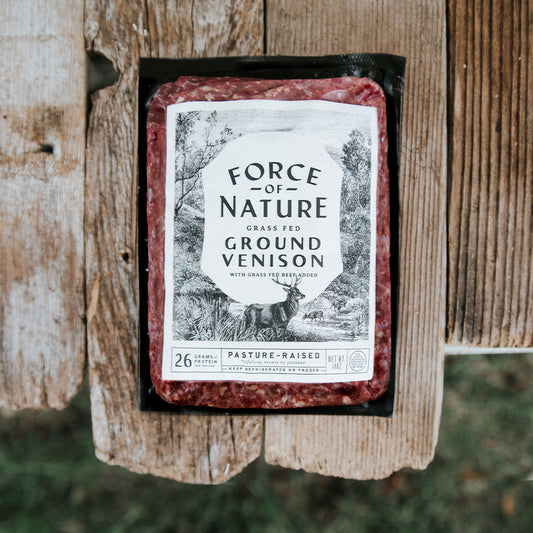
(42,302)
(490,291)
(42,140)
(367,447)
(205,449)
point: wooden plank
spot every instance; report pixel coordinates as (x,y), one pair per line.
(42,143)
(205,449)
(368,447)
(490,293)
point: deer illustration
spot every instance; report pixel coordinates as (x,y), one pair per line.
(278,315)
(314,315)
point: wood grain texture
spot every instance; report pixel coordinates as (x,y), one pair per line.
(490,293)
(206,449)
(368,447)
(42,143)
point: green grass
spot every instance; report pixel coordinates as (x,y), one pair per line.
(50,480)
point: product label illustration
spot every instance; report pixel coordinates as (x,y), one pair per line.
(270,241)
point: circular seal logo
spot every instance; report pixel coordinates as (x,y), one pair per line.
(357,361)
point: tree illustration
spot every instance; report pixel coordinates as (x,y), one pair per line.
(355,224)
(198,141)
(356,158)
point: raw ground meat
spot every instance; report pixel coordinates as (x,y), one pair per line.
(237,394)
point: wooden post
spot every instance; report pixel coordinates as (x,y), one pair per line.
(367,447)
(42,141)
(490,291)
(201,449)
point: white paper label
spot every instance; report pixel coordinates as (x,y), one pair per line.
(270,241)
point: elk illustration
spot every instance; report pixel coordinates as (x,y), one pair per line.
(278,315)
(314,315)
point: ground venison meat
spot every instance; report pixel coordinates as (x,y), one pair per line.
(237,394)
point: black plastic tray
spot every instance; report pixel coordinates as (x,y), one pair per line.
(387,70)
